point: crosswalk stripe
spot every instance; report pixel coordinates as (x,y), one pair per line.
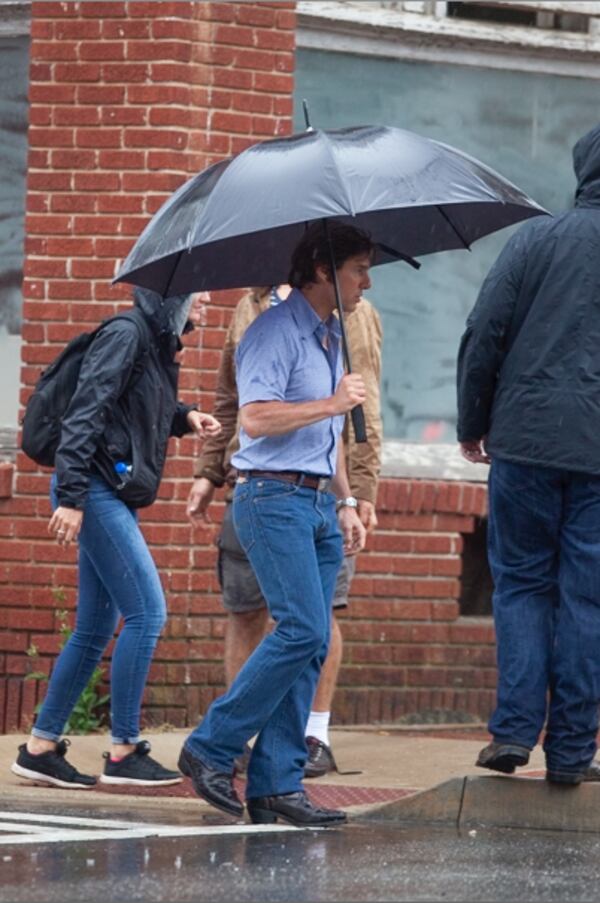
(33,827)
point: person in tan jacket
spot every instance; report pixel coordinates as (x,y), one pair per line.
(242,597)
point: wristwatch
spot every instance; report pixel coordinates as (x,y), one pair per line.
(349,502)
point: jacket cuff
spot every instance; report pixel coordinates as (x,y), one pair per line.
(363,489)
(216,478)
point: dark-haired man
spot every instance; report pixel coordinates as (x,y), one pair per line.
(293,398)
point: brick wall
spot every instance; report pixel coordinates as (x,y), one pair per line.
(128,99)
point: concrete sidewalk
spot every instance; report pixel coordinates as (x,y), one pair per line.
(413,774)
(392,763)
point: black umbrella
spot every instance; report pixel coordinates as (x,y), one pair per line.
(236,223)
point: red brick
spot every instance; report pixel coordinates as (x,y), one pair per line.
(67,203)
(252,14)
(109,9)
(101,94)
(127,29)
(39,137)
(73,159)
(122,159)
(179,51)
(124,72)
(77,72)
(77,31)
(123,116)
(57,94)
(275,40)
(99,137)
(40,30)
(149,9)
(55,50)
(102,50)
(151,95)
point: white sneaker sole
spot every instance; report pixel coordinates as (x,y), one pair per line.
(108,779)
(38,778)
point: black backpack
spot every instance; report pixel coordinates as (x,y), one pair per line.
(50,400)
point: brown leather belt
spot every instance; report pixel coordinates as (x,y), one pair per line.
(291,476)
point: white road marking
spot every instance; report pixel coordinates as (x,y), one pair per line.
(34,827)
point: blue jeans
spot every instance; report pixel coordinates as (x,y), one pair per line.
(291,536)
(117,577)
(544,553)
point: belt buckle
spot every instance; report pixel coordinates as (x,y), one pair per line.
(241,479)
(323,484)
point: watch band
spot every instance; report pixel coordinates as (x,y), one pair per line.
(348,502)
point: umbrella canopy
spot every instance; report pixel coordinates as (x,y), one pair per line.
(236,223)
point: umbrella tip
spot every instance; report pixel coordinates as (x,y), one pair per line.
(309,127)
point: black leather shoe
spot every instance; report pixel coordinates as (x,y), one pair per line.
(504,757)
(215,787)
(320,759)
(294,808)
(592,772)
(571,778)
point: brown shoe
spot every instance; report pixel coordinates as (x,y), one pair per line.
(504,757)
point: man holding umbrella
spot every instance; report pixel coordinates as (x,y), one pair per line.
(293,399)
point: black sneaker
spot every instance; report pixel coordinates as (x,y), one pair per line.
(51,768)
(320,759)
(138,768)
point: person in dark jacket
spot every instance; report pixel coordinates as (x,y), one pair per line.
(109,463)
(529,404)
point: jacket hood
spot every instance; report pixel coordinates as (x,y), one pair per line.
(586,163)
(169,316)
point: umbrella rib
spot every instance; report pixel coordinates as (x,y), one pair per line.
(464,242)
(328,144)
(399,255)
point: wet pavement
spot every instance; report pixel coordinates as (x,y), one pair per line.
(359,862)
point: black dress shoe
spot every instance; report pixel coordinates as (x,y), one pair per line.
(294,808)
(215,787)
(592,772)
(504,757)
(570,778)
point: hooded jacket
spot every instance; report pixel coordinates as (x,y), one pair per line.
(529,360)
(125,405)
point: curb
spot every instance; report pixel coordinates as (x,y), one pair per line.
(502,802)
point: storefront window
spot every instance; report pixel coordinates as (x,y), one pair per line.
(14,58)
(522,124)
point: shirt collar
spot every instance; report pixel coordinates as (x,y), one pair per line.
(306,319)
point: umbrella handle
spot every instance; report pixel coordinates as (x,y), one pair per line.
(358,422)
(357,413)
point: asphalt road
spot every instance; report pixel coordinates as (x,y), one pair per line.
(64,854)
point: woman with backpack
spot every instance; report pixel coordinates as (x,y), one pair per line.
(109,462)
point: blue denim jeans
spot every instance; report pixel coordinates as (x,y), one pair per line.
(117,577)
(544,553)
(291,536)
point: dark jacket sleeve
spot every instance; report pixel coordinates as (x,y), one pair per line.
(486,339)
(104,374)
(179,424)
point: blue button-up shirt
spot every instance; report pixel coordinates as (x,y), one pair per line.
(282,357)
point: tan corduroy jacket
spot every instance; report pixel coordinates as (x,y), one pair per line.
(363,328)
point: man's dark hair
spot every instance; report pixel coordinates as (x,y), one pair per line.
(312,250)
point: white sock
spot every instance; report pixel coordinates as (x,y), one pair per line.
(318,724)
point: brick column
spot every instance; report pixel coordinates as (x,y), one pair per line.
(127,100)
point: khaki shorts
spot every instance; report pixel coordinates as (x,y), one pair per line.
(239,585)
